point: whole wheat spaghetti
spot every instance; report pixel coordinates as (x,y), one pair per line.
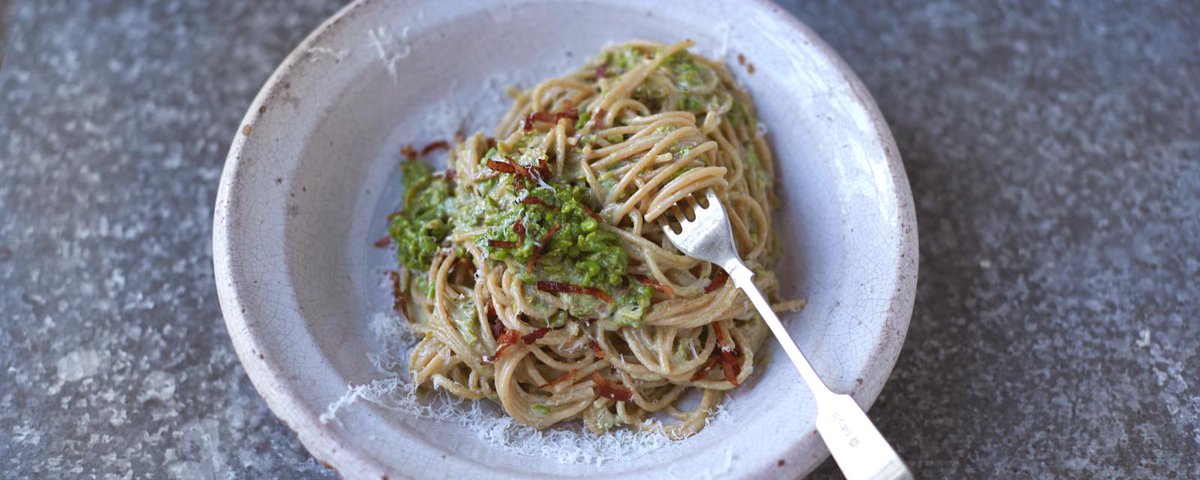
(535,268)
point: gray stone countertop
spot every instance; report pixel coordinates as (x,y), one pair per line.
(1053,151)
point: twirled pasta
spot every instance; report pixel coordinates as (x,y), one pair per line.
(634,132)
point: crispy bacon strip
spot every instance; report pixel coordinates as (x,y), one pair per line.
(409,152)
(501,244)
(723,339)
(730,368)
(596,350)
(611,390)
(519,229)
(541,246)
(599,119)
(548,117)
(435,146)
(399,302)
(494,321)
(650,282)
(451,175)
(718,280)
(513,168)
(523,171)
(563,378)
(542,171)
(506,339)
(703,371)
(549,233)
(532,200)
(502,167)
(729,364)
(560,287)
(383,242)
(534,335)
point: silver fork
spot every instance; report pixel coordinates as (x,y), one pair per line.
(857,446)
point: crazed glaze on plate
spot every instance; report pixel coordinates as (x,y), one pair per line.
(311,174)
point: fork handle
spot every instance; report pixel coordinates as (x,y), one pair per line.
(859,449)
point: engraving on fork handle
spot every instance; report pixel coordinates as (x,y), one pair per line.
(852,439)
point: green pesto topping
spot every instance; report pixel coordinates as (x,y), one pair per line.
(578,251)
(464,316)
(681,351)
(583,119)
(650,93)
(621,60)
(684,70)
(756,166)
(737,114)
(424,223)
(632,305)
(692,104)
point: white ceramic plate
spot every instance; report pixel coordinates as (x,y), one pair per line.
(312,173)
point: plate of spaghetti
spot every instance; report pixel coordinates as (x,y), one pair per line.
(438,239)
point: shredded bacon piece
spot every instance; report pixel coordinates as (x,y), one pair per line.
(532,200)
(541,246)
(501,244)
(548,117)
(383,242)
(703,371)
(523,171)
(533,259)
(611,390)
(560,287)
(451,175)
(494,321)
(599,119)
(549,233)
(409,152)
(502,167)
(723,339)
(601,69)
(650,282)
(435,146)
(399,302)
(535,335)
(506,339)
(542,171)
(596,350)
(513,168)
(718,280)
(519,229)
(730,368)
(729,364)
(564,377)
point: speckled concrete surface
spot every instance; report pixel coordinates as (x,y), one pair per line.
(1054,153)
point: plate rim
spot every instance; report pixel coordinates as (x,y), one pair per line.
(325,447)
